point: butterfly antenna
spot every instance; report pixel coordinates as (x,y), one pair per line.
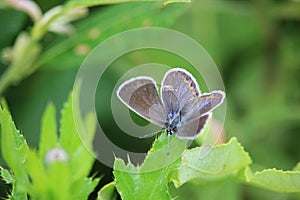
(151,134)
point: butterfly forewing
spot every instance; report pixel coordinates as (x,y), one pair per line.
(140,95)
(179,91)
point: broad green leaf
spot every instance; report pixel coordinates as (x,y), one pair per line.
(131,184)
(162,154)
(48,138)
(81,3)
(107,192)
(276,180)
(211,164)
(150,180)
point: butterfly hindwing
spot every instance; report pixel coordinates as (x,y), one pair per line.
(191,129)
(209,101)
(205,104)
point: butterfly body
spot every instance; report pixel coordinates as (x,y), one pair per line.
(173,122)
(180,108)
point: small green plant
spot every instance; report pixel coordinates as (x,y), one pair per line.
(60,167)
(201,165)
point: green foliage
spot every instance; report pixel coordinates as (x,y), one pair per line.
(107,192)
(211,164)
(255,45)
(201,165)
(79,3)
(25,55)
(59,169)
(62,55)
(150,179)
(6,175)
(277,180)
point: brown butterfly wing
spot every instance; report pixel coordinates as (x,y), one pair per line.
(141,96)
(191,129)
(179,91)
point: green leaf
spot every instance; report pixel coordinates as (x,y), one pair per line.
(204,164)
(55,174)
(77,137)
(73,132)
(131,184)
(69,138)
(17,196)
(107,192)
(48,138)
(36,170)
(297,167)
(150,180)
(48,180)
(276,180)
(83,187)
(78,145)
(6,175)
(14,151)
(13,145)
(85,3)
(59,183)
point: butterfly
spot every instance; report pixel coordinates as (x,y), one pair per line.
(180,109)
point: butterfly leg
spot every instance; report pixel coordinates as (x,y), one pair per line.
(168,151)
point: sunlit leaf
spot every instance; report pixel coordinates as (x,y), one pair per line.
(107,192)
(48,137)
(204,165)
(276,180)
(150,180)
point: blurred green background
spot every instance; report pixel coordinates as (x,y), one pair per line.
(255,44)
